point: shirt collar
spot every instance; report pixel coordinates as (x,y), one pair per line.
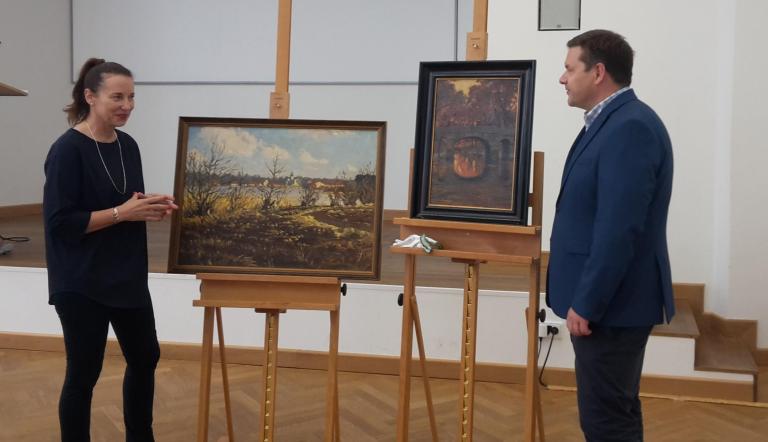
(591,115)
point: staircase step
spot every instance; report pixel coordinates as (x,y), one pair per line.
(683,324)
(724,354)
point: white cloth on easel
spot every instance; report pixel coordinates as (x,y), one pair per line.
(418,242)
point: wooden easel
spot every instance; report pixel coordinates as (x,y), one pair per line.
(271,295)
(473,244)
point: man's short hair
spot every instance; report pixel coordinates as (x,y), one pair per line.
(608,48)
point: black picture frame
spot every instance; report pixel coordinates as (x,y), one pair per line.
(473,141)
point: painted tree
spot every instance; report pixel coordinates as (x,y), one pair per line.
(272,190)
(203,179)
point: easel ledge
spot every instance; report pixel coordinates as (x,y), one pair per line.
(474,241)
(458,225)
(268,278)
(275,292)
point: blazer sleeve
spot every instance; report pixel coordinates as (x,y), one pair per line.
(61,194)
(627,171)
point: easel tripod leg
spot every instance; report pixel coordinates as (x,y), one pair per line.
(224,374)
(539,414)
(332,430)
(532,394)
(406,347)
(337,420)
(423,362)
(205,376)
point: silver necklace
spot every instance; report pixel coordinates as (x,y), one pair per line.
(120,148)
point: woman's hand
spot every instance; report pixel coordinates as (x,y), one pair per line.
(146,207)
(140,207)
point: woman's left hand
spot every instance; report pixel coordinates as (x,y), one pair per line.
(168,199)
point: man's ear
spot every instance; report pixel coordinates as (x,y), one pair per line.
(600,73)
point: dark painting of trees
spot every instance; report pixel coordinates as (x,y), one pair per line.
(473,141)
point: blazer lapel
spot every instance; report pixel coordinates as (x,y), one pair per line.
(569,158)
(582,141)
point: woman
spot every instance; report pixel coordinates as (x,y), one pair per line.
(96,247)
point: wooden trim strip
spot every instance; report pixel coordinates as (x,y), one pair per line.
(390,214)
(744,329)
(682,398)
(21,210)
(390,365)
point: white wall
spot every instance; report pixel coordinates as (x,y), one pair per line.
(698,64)
(686,51)
(154,122)
(34,55)
(665,53)
(370,323)
(35,52)
(199,41)
(749,157)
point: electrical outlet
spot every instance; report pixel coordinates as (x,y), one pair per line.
(548,328)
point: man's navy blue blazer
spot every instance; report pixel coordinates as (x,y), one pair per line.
(608,250)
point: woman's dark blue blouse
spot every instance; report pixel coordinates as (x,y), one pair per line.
(108,265)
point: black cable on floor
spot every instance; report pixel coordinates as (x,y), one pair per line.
(552,333)
(538,349)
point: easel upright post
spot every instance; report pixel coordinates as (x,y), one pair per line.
(534,417)
(468,349)
(477,40)
(280,99)
(269,375)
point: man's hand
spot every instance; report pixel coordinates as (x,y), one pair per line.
(577,325)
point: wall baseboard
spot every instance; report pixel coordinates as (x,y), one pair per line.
(390,365)
(21,210)
(761,357)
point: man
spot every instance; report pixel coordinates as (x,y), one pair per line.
(609,272)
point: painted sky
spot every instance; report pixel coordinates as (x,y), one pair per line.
(311,152)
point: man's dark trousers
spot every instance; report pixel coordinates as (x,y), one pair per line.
(608,366)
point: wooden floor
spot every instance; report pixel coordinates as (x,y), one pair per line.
(30,383)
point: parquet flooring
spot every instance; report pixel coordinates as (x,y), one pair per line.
(30,383)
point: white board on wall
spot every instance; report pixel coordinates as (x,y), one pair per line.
(234,41)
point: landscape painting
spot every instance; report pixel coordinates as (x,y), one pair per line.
(270,196)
